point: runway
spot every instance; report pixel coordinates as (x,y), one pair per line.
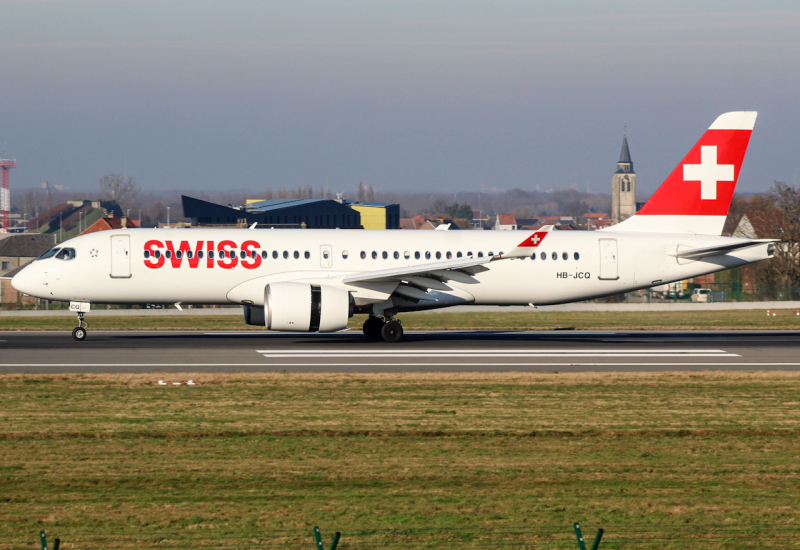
(468,351)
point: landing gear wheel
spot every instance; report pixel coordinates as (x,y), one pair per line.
(79,333)
(372,328)
(392,332)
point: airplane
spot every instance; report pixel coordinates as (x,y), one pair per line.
(316,280)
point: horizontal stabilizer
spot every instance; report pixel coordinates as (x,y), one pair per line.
(697,253)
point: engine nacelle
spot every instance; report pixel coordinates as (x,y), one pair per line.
(303,307)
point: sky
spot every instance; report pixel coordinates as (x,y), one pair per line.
(405,95)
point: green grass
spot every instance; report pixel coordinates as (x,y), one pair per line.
(661,460)
(533,320)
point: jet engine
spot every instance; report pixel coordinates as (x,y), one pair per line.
(302,307)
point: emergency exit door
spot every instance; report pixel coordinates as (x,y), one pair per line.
(608,259)
(120,256)
(325,256)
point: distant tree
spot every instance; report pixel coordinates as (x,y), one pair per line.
(459,211)
(369,194)
(361,194)
(328,193)
(439,206)
(283,193)
(268,195)
(115,188)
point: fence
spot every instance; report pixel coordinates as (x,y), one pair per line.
(696,535)
(720,292)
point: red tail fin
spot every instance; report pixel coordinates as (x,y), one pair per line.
(697,194)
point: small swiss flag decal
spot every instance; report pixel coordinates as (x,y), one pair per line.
(534,239)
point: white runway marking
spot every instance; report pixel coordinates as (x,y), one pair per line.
(490,354)
(414,364)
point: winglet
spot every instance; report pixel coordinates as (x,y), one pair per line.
(529,245)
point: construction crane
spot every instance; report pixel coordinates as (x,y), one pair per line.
(5,195)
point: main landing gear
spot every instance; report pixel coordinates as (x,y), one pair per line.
(79,333)
(390,331)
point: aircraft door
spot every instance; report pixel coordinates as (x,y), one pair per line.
(120,256)
(608,259)
(325,256)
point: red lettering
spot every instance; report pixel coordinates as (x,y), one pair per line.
(249,262)
(224,261)
(152,262)
(184,249)
(210,255)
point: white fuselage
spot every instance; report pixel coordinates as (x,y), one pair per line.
(587,264)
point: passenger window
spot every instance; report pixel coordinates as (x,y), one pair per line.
(543,255)
(296,255)
(577,256)
(189,254)
(480,254)
(555,255)
(307,254)
(438,255)
(427,255)
(416,255)
(491,254)
(385,255)
(146,254)
(232,254)
(200,254)
(565,256)
(274,254)
(285,254)
(263,254)
(396,255)
(168,254)
(253,254)
(210,254)
(458,254)
(374,255)
(158,254)
(344,254)
(533,256)
(406,254)
(363,255)
(49,254)
(469,253)
(179,254)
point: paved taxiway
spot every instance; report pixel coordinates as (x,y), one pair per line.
(488,351)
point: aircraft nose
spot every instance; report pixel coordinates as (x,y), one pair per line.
(24,282)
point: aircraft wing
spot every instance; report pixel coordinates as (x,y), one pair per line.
(414,281)
(697,253)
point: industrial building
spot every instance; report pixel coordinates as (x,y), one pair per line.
(294,213)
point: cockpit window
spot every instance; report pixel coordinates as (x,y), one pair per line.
(49,254)
(66,254)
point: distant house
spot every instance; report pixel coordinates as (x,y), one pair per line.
(104,224)
(595,220)
(506,222)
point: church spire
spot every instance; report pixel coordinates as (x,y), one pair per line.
(625,164)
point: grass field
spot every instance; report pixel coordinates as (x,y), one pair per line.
(661,460)
(581,320)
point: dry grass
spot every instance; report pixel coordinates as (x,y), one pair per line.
(512,458)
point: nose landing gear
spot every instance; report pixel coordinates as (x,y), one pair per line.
(79,332)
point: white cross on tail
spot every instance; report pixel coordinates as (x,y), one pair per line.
(708,172)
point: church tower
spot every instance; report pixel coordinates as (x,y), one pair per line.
(623,186)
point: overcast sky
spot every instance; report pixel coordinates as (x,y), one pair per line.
(406,95)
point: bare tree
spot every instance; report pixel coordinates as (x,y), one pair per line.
(361,192)
(268,195)
(116,188)
(369,194)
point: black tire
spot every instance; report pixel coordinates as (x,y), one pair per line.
(372,328)
(392,332)
(79,333)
